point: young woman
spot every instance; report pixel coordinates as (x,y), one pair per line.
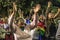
(51,23)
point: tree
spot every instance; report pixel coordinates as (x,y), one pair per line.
(26,5)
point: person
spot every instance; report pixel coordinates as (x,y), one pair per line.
(2,33)
(50,20)
(21,24)
(58,30)
(30,29)
(35,21)
(52,25)
(1,21)
(41,27)
(35,15)
(6,26)
(19,34)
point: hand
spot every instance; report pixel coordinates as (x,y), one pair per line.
(37,8)
(58,9)
(31,10)
(49,3)
(19,11)
(14,6)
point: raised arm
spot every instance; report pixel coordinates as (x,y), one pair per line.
(57,13)
(46,14)
(48,8)
(12,15)
(36,9)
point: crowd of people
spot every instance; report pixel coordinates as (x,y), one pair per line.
(38,27)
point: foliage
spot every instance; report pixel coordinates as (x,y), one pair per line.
(26,5)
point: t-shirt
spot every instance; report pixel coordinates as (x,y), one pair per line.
(27,21)
(41,28)
(41,24)
(6,26)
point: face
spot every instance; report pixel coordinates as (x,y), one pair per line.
(50,15)
(42,17)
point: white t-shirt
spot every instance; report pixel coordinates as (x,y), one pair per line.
(30,32)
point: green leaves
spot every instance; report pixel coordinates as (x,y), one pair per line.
(0,0)
(25,5)
(58,0)
(5,3)
(54,9)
